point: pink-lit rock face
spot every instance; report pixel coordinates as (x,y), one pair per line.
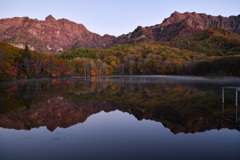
(181,24)
(55,36)
(50,35)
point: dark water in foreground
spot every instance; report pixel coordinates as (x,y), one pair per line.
(131,117)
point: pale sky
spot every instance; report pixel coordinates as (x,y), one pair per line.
(115,17)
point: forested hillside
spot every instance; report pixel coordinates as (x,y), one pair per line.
(212,42)
(18,63)
(129,59)
(139,58)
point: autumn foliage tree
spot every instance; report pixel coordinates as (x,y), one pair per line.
(134,59)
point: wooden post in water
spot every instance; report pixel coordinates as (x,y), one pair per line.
(236,106)
(236,98)
(223,95)
(222,110)
(222,102)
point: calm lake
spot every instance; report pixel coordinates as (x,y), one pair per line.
(119,117)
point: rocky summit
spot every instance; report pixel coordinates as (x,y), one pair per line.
(56,36)
(50,35)
(180,25)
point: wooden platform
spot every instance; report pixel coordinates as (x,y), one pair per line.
(236,89)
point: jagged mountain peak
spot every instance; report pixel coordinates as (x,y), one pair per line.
(54,36)
(180,25)
(50,18)
(50,35)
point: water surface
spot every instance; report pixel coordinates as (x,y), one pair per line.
(118,117)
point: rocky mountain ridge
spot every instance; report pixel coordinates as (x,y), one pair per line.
(180,25)
(50,35)
(55,36)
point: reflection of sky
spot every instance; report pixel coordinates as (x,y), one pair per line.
(117,135)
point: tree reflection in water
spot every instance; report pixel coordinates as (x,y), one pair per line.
(182,104)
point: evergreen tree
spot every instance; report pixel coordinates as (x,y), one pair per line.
(27,62)
(26,53)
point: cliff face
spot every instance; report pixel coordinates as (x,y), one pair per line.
(50,35)
(180,25)
(54,36)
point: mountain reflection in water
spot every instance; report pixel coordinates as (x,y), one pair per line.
(182,104)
